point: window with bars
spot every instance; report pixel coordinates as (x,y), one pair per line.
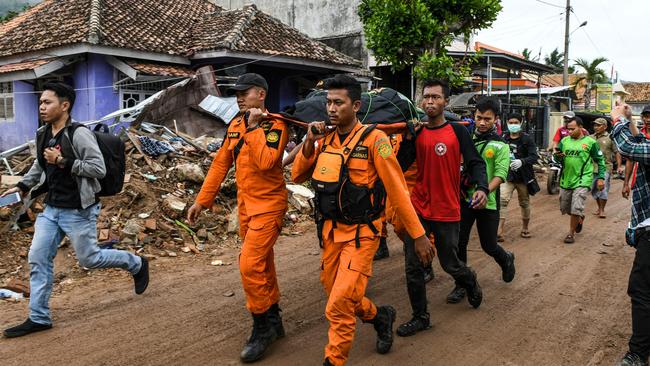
(133,92)
(6,101)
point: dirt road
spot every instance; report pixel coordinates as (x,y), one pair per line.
(567,306)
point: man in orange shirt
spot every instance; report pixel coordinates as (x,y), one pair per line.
(352,169)
(256,148)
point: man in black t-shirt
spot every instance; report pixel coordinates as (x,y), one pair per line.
(69,172)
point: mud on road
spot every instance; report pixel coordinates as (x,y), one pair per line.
(567,305)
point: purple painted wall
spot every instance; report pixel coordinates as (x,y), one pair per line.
(25,123)
(97,97)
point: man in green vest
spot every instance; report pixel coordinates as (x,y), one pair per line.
(577,152)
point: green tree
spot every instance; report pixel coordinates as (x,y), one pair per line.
(555,59)
(528,55)
(592,75)
(12,14)
(405,33)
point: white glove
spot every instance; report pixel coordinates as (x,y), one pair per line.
(516,164)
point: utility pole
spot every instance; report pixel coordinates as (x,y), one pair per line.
(565,72)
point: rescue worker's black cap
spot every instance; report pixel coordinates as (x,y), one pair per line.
(247,81)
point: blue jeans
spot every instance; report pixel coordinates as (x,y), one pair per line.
(81,227)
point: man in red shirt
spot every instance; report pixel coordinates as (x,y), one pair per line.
(562,131)
(440,149)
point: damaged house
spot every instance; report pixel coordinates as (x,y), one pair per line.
(116,53)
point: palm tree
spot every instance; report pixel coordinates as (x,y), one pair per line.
(592,75)
(528,54)
(555,59)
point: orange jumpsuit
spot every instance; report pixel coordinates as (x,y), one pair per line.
(345,269)
(261,198)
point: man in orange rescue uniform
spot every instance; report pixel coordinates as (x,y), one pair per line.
(349,166)
(256,147)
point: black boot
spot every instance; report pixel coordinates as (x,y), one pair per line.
(416,324)
(428,273)
(276,320)
(383,323)
(474,293)
(456,295)
(327,362)
(508,268)
(260,340)
(382,250)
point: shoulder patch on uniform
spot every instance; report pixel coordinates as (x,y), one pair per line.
(233,135)
(385,150)
(273,138)
(266,125)
(360,152)
(381,140)
(489,153)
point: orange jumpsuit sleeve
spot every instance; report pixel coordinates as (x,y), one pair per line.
(266,149)
(303,166)
(390,173)
(217,173)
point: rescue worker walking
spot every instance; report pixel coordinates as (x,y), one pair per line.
(523,154)
(256,148)
(438,149)
(496,155)
(391,214)
(352,169)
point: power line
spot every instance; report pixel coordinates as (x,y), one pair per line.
(502,31)
(163,80)
(550,4)
(587,33)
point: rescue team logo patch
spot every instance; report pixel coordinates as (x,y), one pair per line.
(360,152)
(489,153)
(273,138)
(584,146)
(233,135)
(384,150)
(441,149)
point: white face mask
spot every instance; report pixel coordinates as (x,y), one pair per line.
(514,128)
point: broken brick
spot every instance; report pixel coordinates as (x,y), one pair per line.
(104,234)
(150,224)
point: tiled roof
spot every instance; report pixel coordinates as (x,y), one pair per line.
(179,27)
(49,24)
(252,31)
(152,68)
(25,65)
(639,92)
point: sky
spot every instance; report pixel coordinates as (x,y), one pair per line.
(618,30)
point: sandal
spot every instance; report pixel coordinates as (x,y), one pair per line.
(569,239)
(579,226)
(526,234)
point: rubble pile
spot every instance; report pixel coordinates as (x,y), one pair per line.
(164,174)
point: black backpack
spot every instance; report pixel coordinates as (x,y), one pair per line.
(112,149)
